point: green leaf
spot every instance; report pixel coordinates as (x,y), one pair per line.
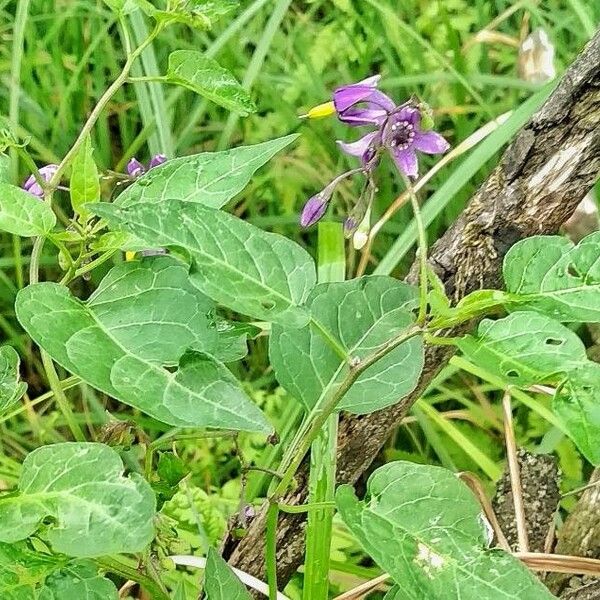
(525,348)
(22,571)
(95,510)
(424,527)
(577,405)
(259,274)
(206,77)
(26,574)
(11,388)
(78,582)
(84,186)
(198,14)
(551,275)
(210,178)
(359,315)
(144,318)
(22,213)
(220,582)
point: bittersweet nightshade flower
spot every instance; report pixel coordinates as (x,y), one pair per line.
(135,168)
(156,160)
(33,187)
(402,136)
(401,130)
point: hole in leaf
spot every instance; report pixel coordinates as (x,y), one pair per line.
(588,389)
(267,304)
(573,271)
(554,342)
(512,374)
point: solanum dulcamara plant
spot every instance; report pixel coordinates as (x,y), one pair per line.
(186,284)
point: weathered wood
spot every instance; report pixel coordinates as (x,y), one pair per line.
(545,172)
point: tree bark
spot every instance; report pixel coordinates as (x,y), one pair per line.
(542,177)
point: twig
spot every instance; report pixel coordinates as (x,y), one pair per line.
(560,563)
(364,588)
(477,489)
(515,474)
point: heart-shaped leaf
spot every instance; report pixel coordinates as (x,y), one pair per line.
(525,348)
(358,316)
(22,213)
(263,275)
(220,582)
(141,321)
(82,488)
(210,178)
(551,275)
(424,527)
(203,75)
(11,387)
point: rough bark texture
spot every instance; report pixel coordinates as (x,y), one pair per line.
(543,175)
(580,536)
(539,488)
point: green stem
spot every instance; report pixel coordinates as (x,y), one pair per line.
(422,245)
(117,566)
(327,405)
(104,100)
(271,550)
(323,453)
(13,114)
(61,398)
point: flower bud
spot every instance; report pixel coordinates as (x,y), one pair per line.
(314,209)
(156,160)
(33,187)
(135,168)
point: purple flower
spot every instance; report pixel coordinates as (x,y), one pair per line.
(135,168)
(402,137)
(362,103)
(156,160)
(401,130)
(314,209)
(316,206)
(33,187)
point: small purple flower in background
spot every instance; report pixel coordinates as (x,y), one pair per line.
(136,169)
(33,187)
(157,160)
(401,130)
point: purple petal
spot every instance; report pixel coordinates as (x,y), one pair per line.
(379,100)
(313,210)
(135,168)
(33,187)
(156,160)
(410,114)
(349,95)
(359,147)
(358,117)
(406,161)
(430,142)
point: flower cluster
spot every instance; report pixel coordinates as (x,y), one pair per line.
(136,169)
(400,130)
